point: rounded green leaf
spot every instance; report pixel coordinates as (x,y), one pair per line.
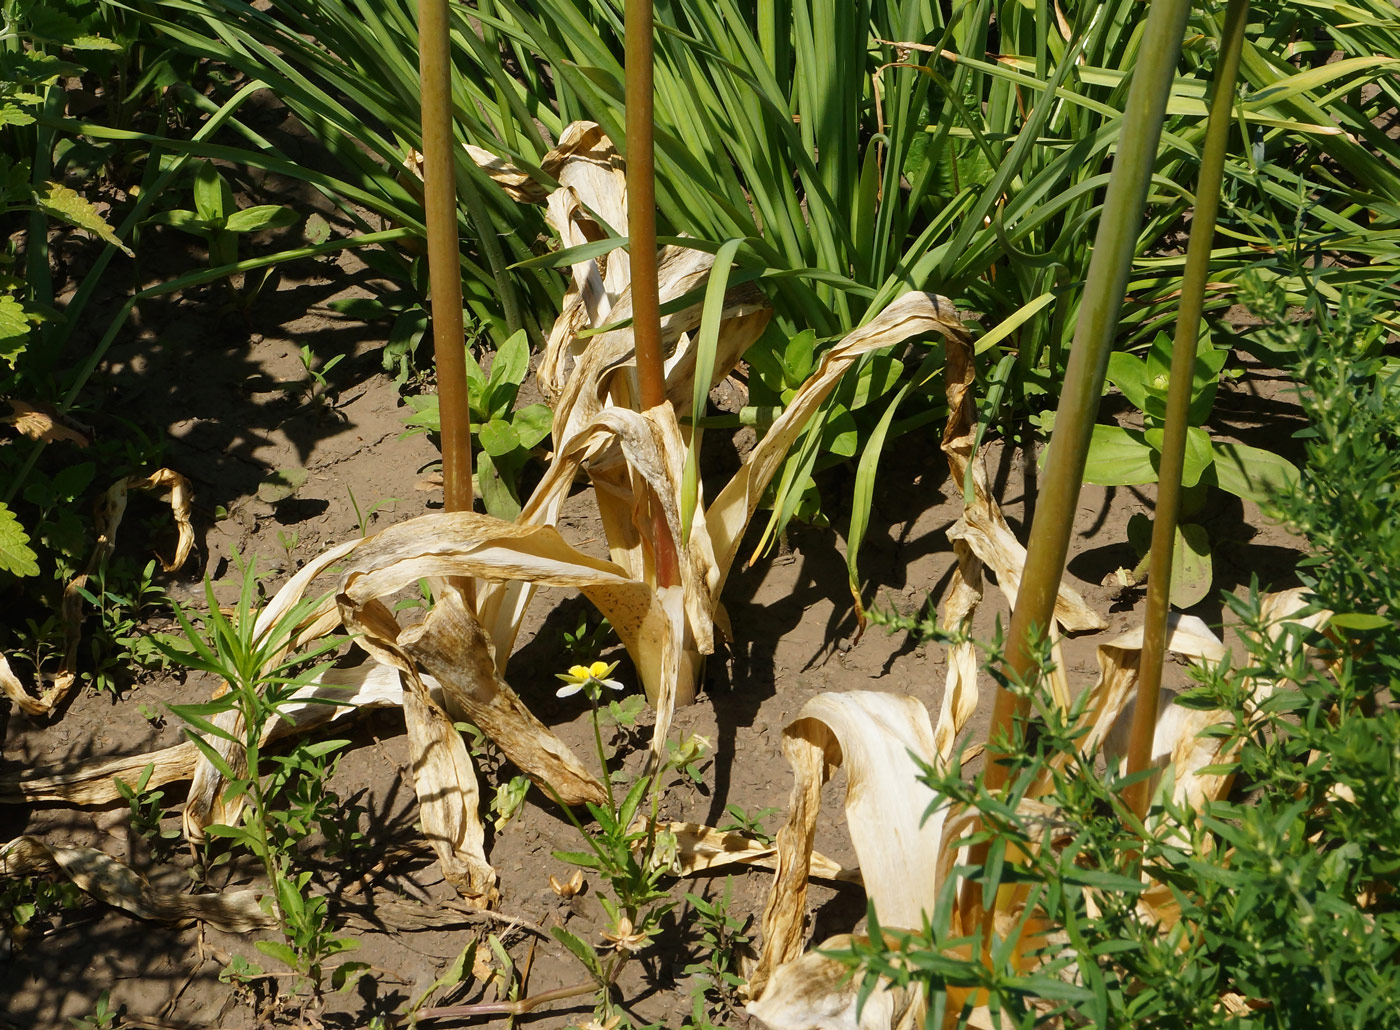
(1118,457)
(498,438)
(532,424)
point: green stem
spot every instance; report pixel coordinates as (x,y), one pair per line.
(1105,284)
(1193,288)
(602,757)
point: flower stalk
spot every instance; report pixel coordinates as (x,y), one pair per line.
(444,258)
(1184,345)
(1105,285)
(641,229)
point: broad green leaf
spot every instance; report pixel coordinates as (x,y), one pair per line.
(876,377)
(426,416)
(263,216)
(316,229)
(1198,457)
(495,491)
(185,221)
(12,115)
(1119,457)
(16,556)
(1192,571)
(1253,473)
(510,364)
(14,329)
(532,424)
(91,42)
(278,950)
(68,206)
(49,24)
(798,358)
(1360,621)
(212,197)
(1129,374)
(840,435)
(498,438)
(347,974)
(366,309)
(1205,382)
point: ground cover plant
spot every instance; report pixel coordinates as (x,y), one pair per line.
(852,252)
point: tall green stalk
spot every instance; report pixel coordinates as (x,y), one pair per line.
(1106,283)
(444,272)
(1193,289)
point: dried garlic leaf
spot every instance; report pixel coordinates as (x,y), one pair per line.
(451,645)
(701,848)
(99,874)
(879,739)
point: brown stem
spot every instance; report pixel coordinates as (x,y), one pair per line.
(444,258)
(641,230)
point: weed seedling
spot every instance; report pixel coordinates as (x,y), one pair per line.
(724,939)
(146,813)
(749,823)
(263,678)
(628,852)
(102,1016)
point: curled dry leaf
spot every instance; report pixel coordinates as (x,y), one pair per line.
(880,740)
(451,645)
(1178,740)
(981,538)
(111,507)
(102,876)
(815,992)
(701,849)
(41,422)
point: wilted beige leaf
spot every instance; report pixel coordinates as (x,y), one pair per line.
(815,992)
(99,874)
(519,185)
(912,314)
(701,848)
(110,509)
(1178,742)
(451,646)
(982,525)
(879,739)
(449,802)
(40,422)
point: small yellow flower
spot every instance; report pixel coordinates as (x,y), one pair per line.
(592,676)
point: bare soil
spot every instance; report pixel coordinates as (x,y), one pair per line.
(191,372)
